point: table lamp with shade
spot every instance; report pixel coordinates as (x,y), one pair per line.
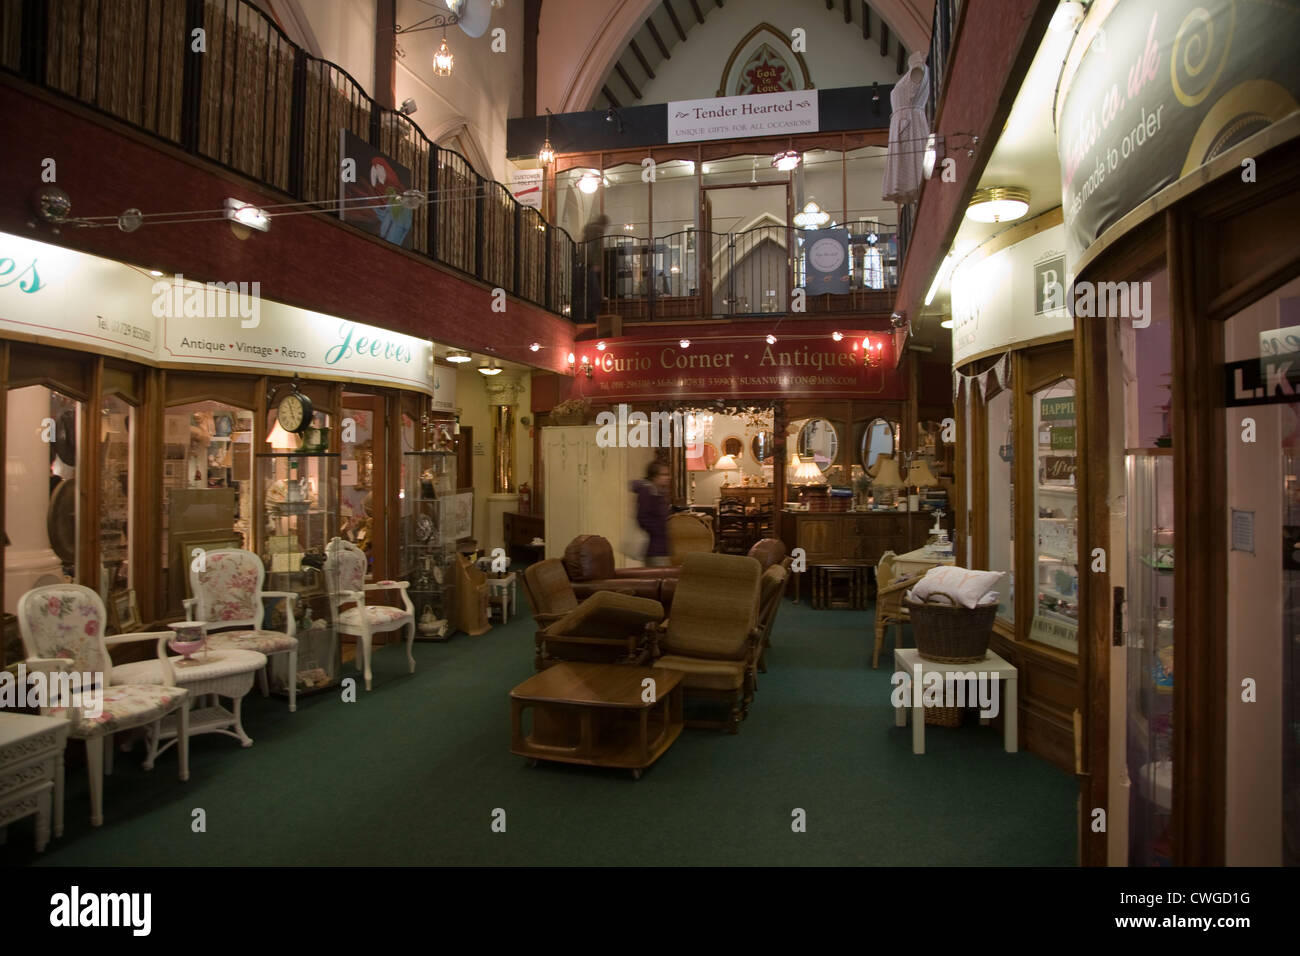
(919,475)
(807,472)
(727,463)
(281,440)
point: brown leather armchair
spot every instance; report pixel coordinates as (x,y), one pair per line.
(589,563)
(768,551)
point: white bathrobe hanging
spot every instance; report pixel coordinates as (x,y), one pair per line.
(908,132)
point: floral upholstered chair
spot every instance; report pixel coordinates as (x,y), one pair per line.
(345,570)
(62,627)
(228,594)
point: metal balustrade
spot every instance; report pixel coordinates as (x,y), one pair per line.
(255,103)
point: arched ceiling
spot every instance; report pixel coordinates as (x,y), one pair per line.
(586,60)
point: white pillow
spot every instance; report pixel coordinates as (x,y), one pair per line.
(960,585)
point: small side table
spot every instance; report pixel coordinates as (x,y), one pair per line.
(907,659)
(503,592)
(31,771)
(826,576)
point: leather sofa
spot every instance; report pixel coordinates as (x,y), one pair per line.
(589,563)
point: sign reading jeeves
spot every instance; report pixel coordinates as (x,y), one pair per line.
(1162,87)
(734,117)
(807,365)
(110,307)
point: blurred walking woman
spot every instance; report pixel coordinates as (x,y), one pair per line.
(652,508)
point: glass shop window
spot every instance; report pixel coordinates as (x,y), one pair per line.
(1002,500)
(117,431)
(41,501)
(1056,518)
(207,486)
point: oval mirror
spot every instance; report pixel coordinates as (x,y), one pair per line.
(763,445)
(877,439)
(733,446)
(819,441)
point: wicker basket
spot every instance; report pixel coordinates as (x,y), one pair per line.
(943,716)
(951,635)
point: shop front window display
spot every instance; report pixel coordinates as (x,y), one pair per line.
(1056,606)
(300,517)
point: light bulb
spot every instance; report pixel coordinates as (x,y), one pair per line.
(685,343)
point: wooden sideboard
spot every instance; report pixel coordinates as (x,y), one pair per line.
(853,537)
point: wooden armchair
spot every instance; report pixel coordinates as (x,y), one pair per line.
(550,595)
(890,607)
(688,532)
(771,588)
(607,628)
(712,636)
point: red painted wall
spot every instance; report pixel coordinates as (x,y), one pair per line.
(310,261)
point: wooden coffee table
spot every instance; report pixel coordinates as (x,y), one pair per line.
(595,714)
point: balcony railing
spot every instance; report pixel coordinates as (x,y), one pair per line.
(690,275)
(255,103)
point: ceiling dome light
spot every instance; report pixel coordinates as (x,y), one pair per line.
(489,370)
(456,355)
(998,204)
(589,182)
(443,61)
(685,343)
(786,161)
(946,324)
(812,217)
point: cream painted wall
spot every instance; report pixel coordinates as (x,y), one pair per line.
(472,407)
(1253,824)
(837,55)
(345,33)
(484,89)
(579,40)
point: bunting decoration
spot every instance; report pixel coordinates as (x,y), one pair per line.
(999,371)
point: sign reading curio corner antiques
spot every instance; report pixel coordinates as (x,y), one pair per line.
(1162,87)
(805,365)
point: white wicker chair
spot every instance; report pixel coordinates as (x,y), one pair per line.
(345,570)
(62,627)
(228,593)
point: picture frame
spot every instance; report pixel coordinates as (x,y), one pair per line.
(124,612)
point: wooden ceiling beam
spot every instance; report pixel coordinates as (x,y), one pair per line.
(884,38)
(613,100)
(866,21)
(659,41)
(695,8)
(622,73)
(677,24)
(848,11)
(901,62)
(645,64)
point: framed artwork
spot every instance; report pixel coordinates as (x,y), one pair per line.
(124,612)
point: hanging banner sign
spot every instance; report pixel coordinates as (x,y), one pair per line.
(1057,409)
(730,366)
(827,256)
(1162,87)
(737,117)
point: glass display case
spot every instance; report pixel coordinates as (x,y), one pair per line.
(1150,654)
(300,516)
(1056,516)
(428,550)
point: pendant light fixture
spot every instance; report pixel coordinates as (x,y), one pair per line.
(786,161)
(546,155)
(998,204)
(443,61)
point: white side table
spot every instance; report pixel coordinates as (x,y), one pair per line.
(31,771)
(502,591)
(211,675)
(919,561)
(906,659)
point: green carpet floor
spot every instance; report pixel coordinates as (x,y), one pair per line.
(412,772)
